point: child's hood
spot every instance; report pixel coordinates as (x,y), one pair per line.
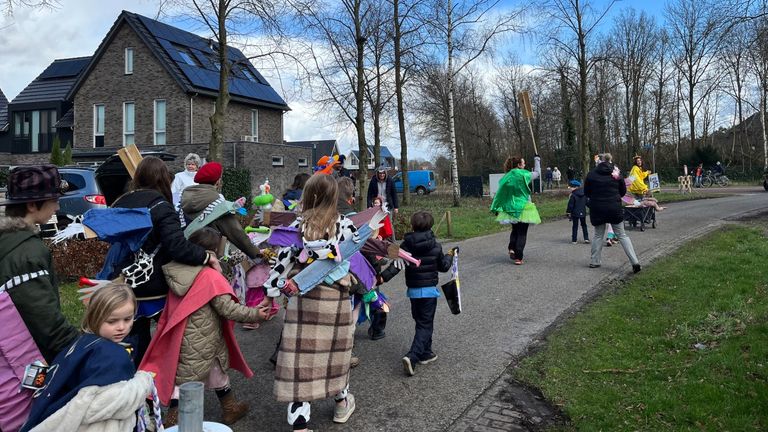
(419,241)
(180,276)
(578,192)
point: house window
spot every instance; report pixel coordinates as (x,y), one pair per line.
(128,123)
(98,125)
(187,56)
(277,161)
(52,117)
(255,124)
(303,162)
(128,61)
(159,122)
(35,131)
(18,119)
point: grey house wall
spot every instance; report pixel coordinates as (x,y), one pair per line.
(107,84)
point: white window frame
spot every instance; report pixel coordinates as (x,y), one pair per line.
(127,133)
(154,121)
(96,122)
(129,61)
(303,162)
(278,161)
(255,124)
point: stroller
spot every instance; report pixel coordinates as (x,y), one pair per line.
(635,214)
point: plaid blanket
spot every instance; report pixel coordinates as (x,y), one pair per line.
(313,362)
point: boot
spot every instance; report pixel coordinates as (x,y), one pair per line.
(231,409)
(171,417)
(378,324)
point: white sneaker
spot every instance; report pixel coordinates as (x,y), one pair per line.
(341,413)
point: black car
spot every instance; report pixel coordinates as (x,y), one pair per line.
(113,178)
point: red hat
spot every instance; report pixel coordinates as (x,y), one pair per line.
(209,173)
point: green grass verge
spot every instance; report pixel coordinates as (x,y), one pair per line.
(681,346)
(72,308)
(474,219)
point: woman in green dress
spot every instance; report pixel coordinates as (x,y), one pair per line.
(513,203)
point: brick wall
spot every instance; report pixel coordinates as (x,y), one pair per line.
(107,84)
(257,157)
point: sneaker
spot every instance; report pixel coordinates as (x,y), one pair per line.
(608,243)
(573,242)
(428,359)
(636,268)
(408,366)
(511,254)
(518,262)
(594,265)
(586,241)
(341,413)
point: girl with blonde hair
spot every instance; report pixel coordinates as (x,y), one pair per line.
(92,385)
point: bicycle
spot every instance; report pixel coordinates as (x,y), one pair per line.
(711,178)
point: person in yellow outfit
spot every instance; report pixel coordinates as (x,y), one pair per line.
(637,176)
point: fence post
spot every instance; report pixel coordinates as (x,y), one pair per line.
(448,223)
(191,407)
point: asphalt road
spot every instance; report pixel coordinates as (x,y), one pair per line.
(505,308)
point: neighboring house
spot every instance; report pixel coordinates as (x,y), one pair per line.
(319,148)
(353,160)
(4,124)
(154,85)
(34,113)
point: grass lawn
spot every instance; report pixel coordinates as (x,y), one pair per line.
(474,218)
(681,346)
(72,308)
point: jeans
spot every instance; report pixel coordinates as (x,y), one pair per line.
(423,313)
(697,183)
(626,243)
(575,228)
(517,239)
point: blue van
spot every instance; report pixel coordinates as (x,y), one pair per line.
(421,182)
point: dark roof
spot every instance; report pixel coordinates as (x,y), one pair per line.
(3,112)
(190,61)
(54,83)
(67,120)
(319,148)
(385,153)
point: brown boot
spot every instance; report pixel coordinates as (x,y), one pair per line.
(171,418)
(231,409)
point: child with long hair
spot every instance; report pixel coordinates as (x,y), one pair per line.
(92,385)
(195,340)
(314,355)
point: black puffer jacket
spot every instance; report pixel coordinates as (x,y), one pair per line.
(424,246)
(166,231)
(577,204)
(604,193)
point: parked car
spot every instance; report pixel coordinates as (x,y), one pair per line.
(420,182)
(85,193)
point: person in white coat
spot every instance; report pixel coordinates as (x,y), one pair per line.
(556,177)
(185,178)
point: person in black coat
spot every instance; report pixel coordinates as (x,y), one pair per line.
(422,284)
(577,211)
(604,189)
(151,189)
(382,185)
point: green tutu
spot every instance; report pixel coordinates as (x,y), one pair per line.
(529,215)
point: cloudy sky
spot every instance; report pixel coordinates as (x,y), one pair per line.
(32,38)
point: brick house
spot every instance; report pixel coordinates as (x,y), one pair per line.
(4,123)
(352,162)
(154,85)
(319,148)
(36,116)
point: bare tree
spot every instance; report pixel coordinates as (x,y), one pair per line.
(464,30)
(697,30)
(225,19)
(576,22)
(758,59)
(8,7)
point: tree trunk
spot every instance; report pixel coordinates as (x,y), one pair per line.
(585,148)
(763,94)
(400,110)
(360,107)
(451,120)
(215,149)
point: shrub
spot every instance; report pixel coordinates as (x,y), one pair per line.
(56,157)
(3,177)
(67,158)
(237,183)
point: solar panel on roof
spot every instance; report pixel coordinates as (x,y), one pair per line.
(66,68)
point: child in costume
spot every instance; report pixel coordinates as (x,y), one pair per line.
(195,340)
(314,356)
(577,211)
(422,287)
(637,176)
(513,204)
(386,231)
(92,385)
